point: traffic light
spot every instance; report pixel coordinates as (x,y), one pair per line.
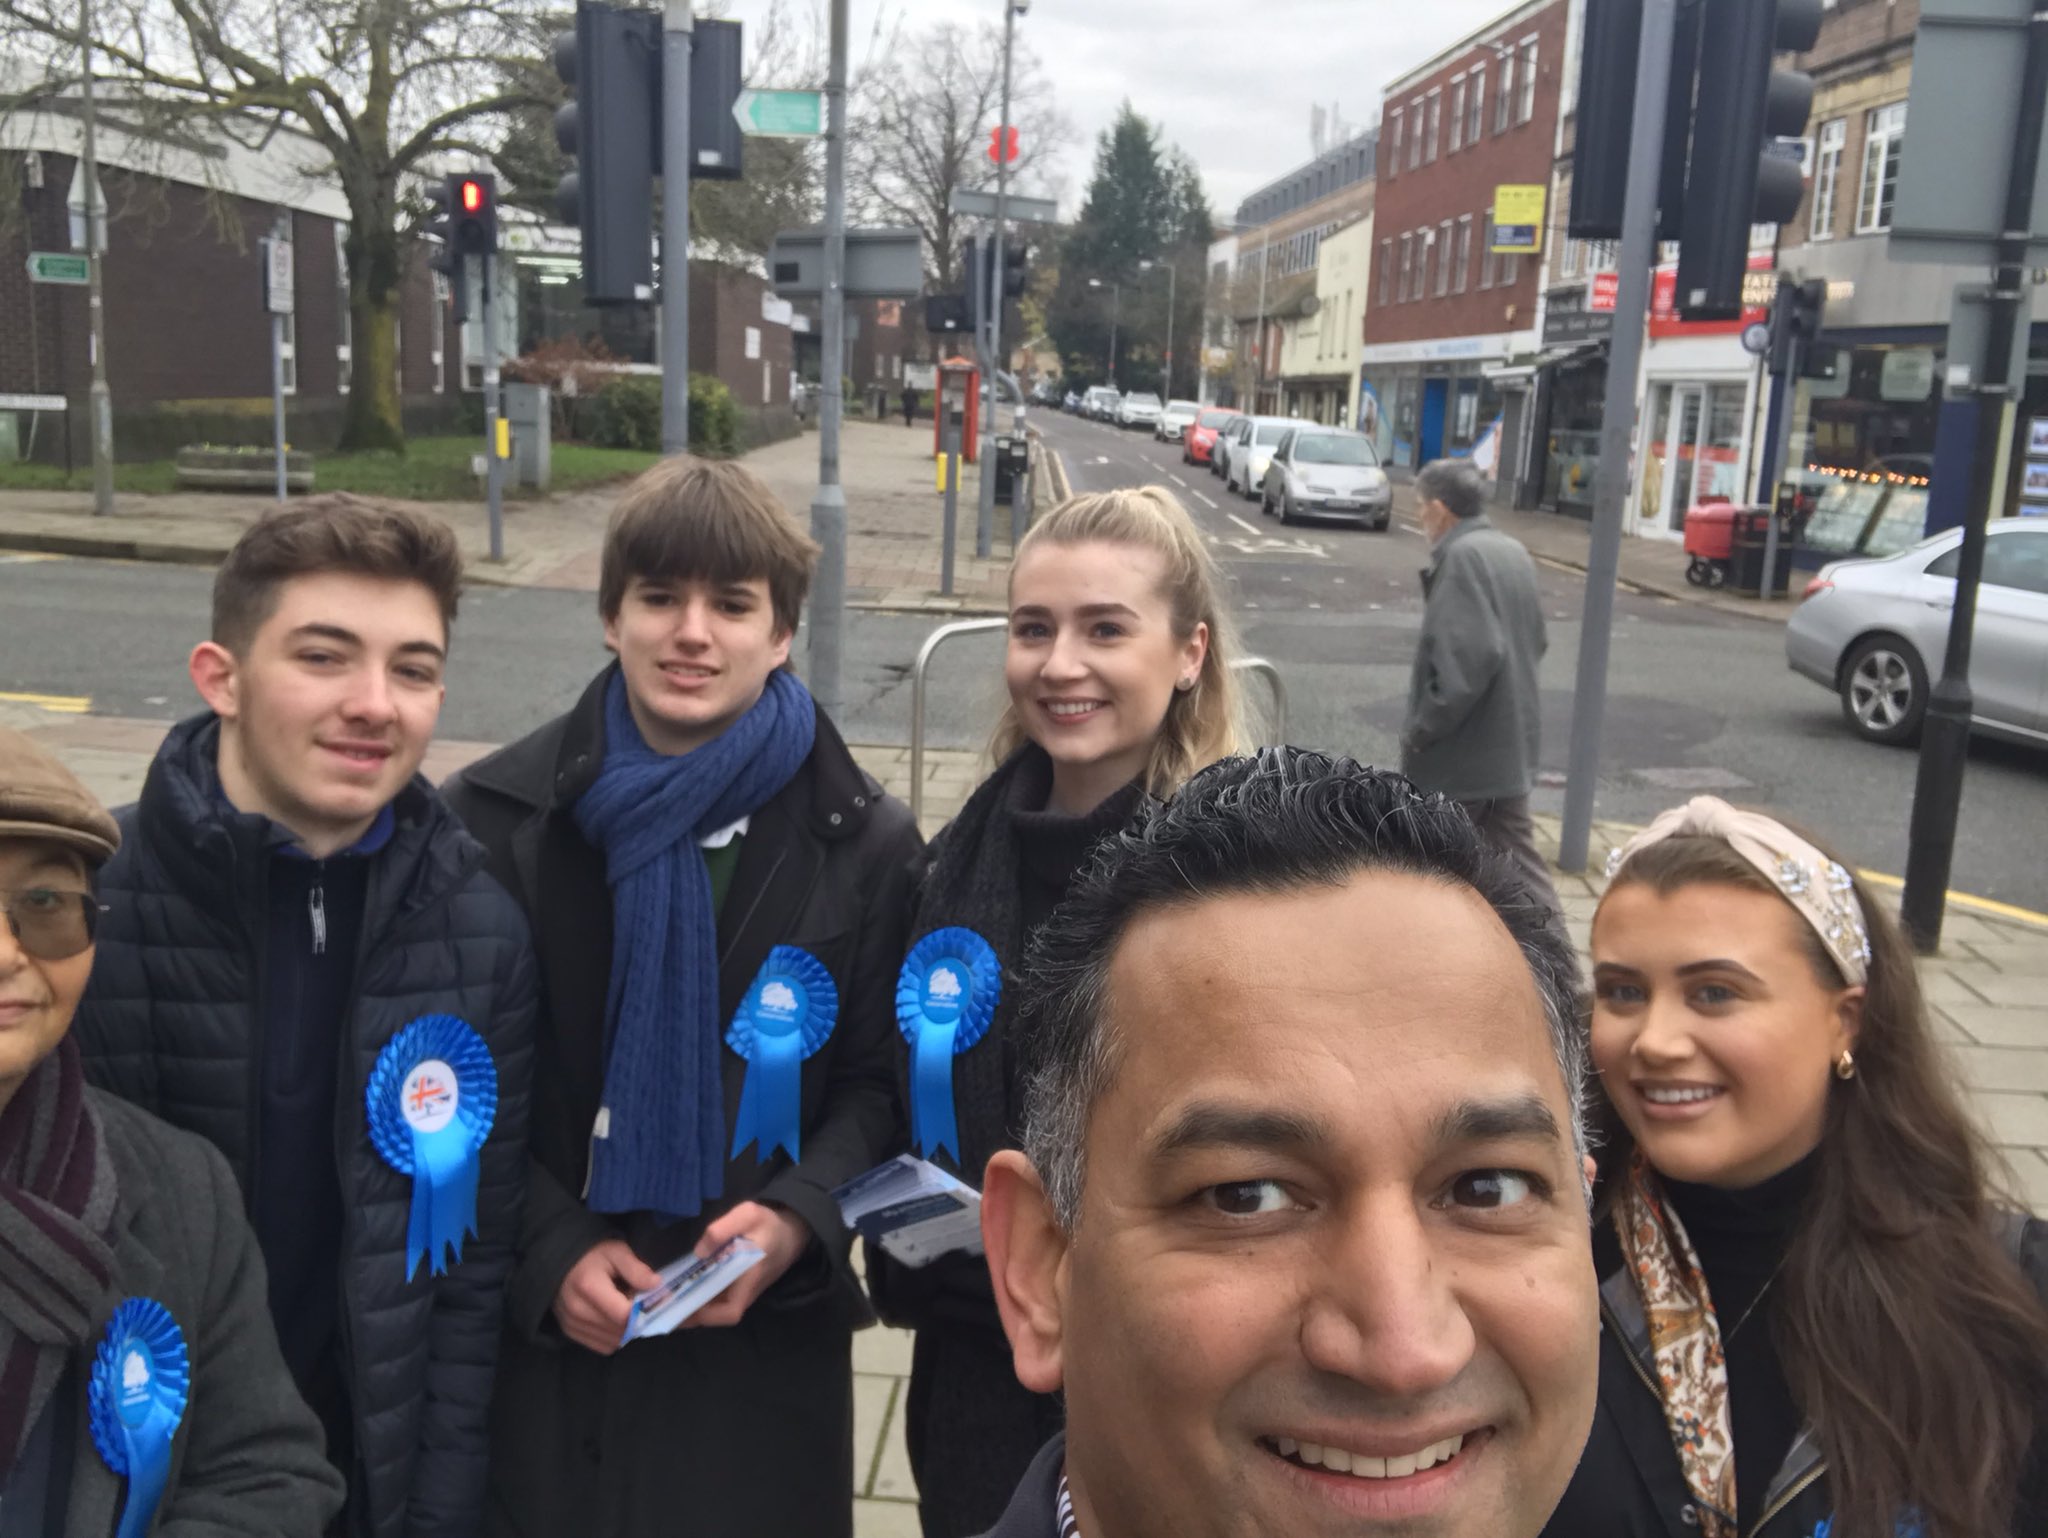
(1796,316)
(1604,119)
(974,258)
(473,212)
(612,61)
(442,199)
(1016,269)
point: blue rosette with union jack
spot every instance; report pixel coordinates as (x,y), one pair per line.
(431,1101)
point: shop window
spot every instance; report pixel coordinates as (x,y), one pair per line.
(1463,270)
(1477,120)
(1884,133)
(1525,106)
(1457,114)
(1435,111)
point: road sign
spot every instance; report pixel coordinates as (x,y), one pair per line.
(59,267)
(1518,217)
(982,205)
(880,263)
(277,276)
(31,403)
(781,114)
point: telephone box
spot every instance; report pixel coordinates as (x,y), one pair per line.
(959,390)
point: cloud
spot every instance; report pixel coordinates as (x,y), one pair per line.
(1231,84)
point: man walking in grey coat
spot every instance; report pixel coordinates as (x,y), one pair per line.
(1473,718)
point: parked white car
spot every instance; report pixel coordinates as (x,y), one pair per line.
(1174,420)
(1100,403)
(1252,451)
(1138,409)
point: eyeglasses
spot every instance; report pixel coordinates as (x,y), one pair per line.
(51,925)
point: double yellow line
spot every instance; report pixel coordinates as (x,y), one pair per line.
(61,704)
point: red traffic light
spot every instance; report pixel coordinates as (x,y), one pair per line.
(1002,145)
(472,196)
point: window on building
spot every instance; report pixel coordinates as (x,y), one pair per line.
(1435,110)
(1463,271)
(1525,107)
(1386,287)
(1883,133)
(1510,269)
(437,349)
(1827,175)
(1569,257)
(1457,114)
(1407,268)
(1504,98)
(1489,260)
(1415,138)
(1477,119)
(1443,257)
(344,348)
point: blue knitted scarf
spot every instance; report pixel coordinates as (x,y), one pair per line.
(664,1108)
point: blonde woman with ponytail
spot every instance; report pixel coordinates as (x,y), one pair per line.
(1120,688)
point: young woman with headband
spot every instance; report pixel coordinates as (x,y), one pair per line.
(1820,1316)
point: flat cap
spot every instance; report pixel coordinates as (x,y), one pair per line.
(40,798)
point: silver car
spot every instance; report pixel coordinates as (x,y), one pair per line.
(1253,451)
(1327,472)
(1227,440)
(1875,632)
(1138,409)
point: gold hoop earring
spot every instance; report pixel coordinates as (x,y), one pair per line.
(1845,1065)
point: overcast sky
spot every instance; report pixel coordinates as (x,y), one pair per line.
(1231,82)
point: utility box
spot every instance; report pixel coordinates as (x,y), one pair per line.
(1013,465)
(527,413)
(959,391)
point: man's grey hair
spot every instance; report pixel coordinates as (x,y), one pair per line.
(1283,821)
(1456,483)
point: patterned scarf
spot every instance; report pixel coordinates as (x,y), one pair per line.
(660,1143)
(56,1265)
(1685,1340)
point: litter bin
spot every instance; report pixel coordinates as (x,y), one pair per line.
(1752,529)
(1013,464)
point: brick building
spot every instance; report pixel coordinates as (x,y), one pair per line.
(1450,318)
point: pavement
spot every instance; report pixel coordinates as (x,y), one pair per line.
(894,523)
(1988,989)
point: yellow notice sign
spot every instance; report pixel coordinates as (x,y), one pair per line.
(1518,217)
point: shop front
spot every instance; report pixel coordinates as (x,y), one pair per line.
(1571,399)
(1421,401)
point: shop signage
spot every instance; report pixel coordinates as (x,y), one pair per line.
(1759,284)
(1518,217)
(1568,326)
(1601,294)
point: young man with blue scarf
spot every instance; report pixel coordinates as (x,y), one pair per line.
(717,894)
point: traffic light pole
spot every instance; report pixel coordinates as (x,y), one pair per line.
(494,460)
(1617,423)
(990,298)
(1945,733)
(828,508)
(678,25)
(100,397)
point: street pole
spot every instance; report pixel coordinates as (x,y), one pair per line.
(1787,394)
(1945,733)
(991,301)
(100,399)
(279,232)
(1610,481)
(828,508)
(995,320)
(1259,342)
(494,462)
(678,27)
(1166,387)
(1116,309)
(951,470)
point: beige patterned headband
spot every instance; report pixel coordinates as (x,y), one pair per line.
(1816,886)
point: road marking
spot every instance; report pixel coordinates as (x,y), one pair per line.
(1965,900)
(24,557)
(1247,525)
(1300,548)
(1204,499)
(1183,485)
(1102,459)
(62,704)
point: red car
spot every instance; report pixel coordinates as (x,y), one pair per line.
(1199,441)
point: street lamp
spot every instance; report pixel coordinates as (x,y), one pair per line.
(1116,300)
(1172,286)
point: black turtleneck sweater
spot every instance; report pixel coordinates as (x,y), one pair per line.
(1741,1238)
(1052,846)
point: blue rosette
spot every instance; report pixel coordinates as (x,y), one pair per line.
(787,1014)
(946,998)
(141,1378)
(432,1098)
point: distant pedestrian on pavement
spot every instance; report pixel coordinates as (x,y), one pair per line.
(1299,1225)
(1474,716)
(1849,1334)
(1120,687)
(304,961)
(123,1245)
(909,405)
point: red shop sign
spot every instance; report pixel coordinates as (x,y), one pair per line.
(1757,287)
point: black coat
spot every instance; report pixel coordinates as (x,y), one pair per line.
(170,1023)
(1629,1484)
(727,1432)
(1033,1511)
(246,1457)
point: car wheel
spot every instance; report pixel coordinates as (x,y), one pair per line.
(1884,690)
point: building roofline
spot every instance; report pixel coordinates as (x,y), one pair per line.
(1520,16)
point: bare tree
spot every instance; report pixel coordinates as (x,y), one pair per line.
(384,87)
(922,115)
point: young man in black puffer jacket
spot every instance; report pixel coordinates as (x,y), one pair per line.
(304,961)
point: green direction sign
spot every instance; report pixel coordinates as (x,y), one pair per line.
(59,267)
(781,114)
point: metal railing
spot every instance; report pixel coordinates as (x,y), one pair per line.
(1258,665)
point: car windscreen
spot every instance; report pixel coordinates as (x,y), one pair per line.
(1217,418)
(1334,450)
(1141,400)
(1273,432)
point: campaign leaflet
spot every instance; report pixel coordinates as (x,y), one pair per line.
(686,1285)
(913,1209)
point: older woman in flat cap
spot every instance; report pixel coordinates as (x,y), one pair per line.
(141,1389)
